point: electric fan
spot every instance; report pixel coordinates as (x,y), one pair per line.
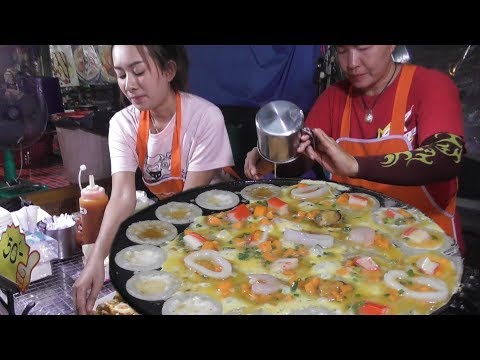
(23,119)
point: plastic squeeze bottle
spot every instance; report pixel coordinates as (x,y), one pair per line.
(93,201)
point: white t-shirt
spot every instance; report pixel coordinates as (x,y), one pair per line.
(203,137)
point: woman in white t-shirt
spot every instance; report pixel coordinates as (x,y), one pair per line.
(178,140)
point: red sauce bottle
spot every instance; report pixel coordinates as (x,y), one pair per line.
(93,201)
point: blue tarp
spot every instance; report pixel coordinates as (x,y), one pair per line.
(252,75)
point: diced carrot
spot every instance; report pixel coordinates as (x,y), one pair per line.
(288,252)
(312,214)
(302,251)
(266,246)
(393,295)
(350,262)
(245,288)
(443,264)
(301,214)
(311,286)
(265,222)
(214,221)
(301,185)
(345,288)
(343,199)
(269,256)
(381,241)
(225,287)
(238,225)
(238,242)
(260,210)
(373,275)
(404,213)
(277,252)
(442,261)
(208,245)
(257,235)
(371,308)
(188,231)
(277,244)
(343,271)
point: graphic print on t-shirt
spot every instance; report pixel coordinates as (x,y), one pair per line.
(157,168)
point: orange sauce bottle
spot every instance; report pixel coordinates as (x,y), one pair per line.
(93,201)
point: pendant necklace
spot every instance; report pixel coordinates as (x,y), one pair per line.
(153,123)
(369,115)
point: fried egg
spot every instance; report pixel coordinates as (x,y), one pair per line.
(258,192)
(152,285)
(358,201)
(422,238)
(395,217)
(141,258)
(191,304)
(153,232)
(178,212)
(261,265)
(217,200)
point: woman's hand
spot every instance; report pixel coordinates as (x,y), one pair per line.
(88,285)
(328,154)
(255,166)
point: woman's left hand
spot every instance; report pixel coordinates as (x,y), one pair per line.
(329,154)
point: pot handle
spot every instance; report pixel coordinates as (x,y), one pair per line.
(306,130)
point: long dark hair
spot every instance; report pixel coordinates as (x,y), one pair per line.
(162,54)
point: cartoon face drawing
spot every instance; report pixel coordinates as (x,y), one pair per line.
(157,167)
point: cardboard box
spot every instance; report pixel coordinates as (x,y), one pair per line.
(79,147)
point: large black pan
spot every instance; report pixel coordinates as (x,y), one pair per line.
(120,276)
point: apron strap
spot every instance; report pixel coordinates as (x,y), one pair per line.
(230,171)
(143,133)
(401,98)
(142,137)
(345,125)
(399,106)
(176,164)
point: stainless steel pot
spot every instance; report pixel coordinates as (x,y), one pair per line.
(279,127)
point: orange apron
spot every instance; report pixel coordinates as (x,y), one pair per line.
(174,184)
(416,196)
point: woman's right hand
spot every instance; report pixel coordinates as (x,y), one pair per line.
(88,285)
(255,166)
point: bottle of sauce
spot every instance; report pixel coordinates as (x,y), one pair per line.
(93,201)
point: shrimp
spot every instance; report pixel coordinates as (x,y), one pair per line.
(264,284)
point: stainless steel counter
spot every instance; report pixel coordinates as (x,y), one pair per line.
(53,295)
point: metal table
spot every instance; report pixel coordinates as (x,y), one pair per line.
(53,295)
